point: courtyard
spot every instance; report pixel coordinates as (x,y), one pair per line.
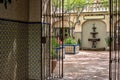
(36,33)
(86,65)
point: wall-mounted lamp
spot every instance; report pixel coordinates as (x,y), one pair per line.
(5,2)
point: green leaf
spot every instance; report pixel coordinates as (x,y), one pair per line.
(70,40)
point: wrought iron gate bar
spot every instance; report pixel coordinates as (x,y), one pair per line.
(114,67)
(58,72)
(62,27)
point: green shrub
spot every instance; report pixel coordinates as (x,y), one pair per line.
(55,43)
(70,40)
(79,41)
(107,41)
(53,54)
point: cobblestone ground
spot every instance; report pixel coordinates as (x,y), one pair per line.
(86,65)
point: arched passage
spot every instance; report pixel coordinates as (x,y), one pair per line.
(67,28)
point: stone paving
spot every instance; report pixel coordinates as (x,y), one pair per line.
(86,65)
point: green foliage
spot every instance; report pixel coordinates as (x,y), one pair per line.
(55,43)
(107,41)
(53,54)
(70,40)
(72,4)
(57,3)
(79,41)
(105,3)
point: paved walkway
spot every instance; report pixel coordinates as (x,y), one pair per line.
(86,65)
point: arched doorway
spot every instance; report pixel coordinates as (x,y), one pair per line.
(101,34)
(67,28)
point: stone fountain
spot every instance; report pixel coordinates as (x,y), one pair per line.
(94,40)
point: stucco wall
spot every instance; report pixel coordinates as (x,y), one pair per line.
(23,10)
(17,10)
(78,27)
(34,10)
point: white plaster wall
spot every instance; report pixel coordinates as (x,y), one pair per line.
(101,29)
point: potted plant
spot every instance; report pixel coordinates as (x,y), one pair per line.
(71,45)
(70,40)
(57,45)
(53,60)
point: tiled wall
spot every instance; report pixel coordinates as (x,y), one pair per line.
(13,51)
(34,51)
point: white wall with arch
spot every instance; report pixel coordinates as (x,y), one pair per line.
(101,28)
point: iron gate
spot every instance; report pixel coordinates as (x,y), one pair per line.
(46,50)
(49,16)
(24,50)
(114,68)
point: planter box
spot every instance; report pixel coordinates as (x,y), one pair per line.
(59,51)
(71,48)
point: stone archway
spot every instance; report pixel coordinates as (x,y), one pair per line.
(86,34)
(63,27)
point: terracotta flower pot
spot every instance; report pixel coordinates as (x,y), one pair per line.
(53,64)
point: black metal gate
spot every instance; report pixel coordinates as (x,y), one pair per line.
(114,68)
(49,16)
(46,50)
